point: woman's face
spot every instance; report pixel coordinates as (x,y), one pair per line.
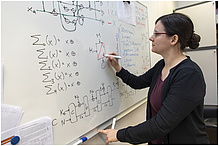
(160,41)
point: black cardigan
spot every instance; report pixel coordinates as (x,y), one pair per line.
(180,118)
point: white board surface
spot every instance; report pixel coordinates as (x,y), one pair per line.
(203,16)
(208,67)
(204,20)
(52,53)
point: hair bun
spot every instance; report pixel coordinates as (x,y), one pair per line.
(194,42)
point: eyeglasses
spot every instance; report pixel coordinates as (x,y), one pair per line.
(157,33)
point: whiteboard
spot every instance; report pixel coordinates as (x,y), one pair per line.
(205,56)
(209,69)
(52,53)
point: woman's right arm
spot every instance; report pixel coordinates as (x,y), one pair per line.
(136,82)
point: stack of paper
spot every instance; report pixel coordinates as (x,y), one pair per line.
(10,116)
(37,132)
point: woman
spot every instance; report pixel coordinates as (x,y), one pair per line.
(176,93)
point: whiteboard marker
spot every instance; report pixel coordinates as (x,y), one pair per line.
(114,123)
(80,141)
(117,57)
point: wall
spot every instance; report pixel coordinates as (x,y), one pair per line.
(155,9)
(185,3)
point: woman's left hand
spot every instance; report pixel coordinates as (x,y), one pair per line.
(110,135)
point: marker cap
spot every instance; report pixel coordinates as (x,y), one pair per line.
(15,140)
(84,139)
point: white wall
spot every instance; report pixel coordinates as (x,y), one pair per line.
(185,3)
(155,9)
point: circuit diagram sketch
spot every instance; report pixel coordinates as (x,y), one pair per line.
(93,102)
(72,13)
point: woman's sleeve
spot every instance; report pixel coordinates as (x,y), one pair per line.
(185,94)
(142,81)
(136,82)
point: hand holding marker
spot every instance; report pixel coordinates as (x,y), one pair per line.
(110,133)
(114,60)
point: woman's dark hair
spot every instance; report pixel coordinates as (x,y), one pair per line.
(180,24)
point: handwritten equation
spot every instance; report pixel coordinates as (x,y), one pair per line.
(58,66)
